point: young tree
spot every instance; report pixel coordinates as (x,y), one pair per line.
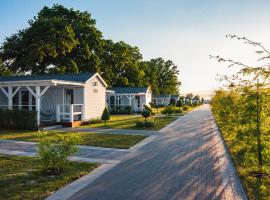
(179,104)
(105,115)
(146,114)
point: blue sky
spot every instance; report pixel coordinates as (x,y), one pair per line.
(183,31)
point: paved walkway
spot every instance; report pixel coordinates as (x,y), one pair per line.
(86,153)
(187,161)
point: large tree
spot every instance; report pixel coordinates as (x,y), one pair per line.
(162,75)
(120,64)
(57,40)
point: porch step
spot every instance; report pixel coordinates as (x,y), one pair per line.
(52,127)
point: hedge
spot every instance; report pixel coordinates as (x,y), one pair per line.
(18,119)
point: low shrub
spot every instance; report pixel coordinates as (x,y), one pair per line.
(18,119)
(54,152)
(168,110)
(185,108)
(146,124)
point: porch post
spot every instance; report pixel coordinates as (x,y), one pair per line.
(10,97)
(20,100)
(71,113)
(38,104)
(130,100)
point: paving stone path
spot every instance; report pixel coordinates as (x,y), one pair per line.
(186,161)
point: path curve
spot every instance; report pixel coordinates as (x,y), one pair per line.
(187,161)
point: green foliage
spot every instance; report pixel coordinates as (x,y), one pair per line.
(179,103)
(18,119)
(185,108)
(146,124)
(244,119)
(54,152)
(162,76)
(62,40)
(168,111)
(146,114)
(105,115)
(146,107)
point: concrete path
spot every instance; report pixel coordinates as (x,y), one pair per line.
(110,131)
(187,161)
(86,153)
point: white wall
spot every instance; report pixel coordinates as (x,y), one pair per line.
(94,98)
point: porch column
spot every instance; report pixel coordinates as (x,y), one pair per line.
(20,100)
(10,97)
(130,100)
(38,104)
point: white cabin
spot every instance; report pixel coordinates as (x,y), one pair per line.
(58,98)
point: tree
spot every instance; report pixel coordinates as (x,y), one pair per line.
(202,100)
(162,76)
(253,107)
(120,64)
(146,114)
(58,40)
(3,70)
(179,103)
(105,115)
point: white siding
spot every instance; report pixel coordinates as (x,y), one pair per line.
(94,99)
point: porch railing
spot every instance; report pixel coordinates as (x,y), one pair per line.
(69,112)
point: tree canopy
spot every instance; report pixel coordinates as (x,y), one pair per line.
(62,40)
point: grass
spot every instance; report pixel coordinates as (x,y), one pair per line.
(91,139)
(244,157)
(129,122)
(22,177)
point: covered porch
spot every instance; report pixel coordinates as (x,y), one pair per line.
(135,101)
(54,101)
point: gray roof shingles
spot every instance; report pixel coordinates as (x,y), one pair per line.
(81,78)
(130,90)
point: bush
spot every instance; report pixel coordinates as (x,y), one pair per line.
(146,114)
(54,152)
(18,119)
(105,115)
(185,108)
(146,124)
(168,110)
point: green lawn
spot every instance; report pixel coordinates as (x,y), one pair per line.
(21,177)
(129,122)
(91,139)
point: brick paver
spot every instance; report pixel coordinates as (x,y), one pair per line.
(187,161)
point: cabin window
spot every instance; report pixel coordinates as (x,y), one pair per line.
(95,83)
(95,90)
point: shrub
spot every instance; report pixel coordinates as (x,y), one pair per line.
(146,114)
(105,115)
(168,110)
(146,124)
(54,152)
(149,124)
(185,108)
(18,119)
(146,107)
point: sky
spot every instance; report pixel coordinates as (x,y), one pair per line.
(184,31)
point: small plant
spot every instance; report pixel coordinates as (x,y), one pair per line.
(179,104)
(146,114)
(146,124)
(105,115)
(168,111)
(185,108)
(54,152)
